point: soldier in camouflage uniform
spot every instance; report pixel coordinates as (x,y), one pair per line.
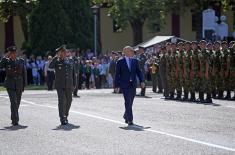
(194,72)
(217,71)
(173,77)
(205,84)
(142,60)
(226,67)
(186,70)
(232,68)
(15,80)
(169,70)
(179,70)
(163,72)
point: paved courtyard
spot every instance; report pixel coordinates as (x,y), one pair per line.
(96,126)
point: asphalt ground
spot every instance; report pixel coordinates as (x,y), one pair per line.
(96,126)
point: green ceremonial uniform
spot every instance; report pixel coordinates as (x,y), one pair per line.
(15,82)
(64,84)
(218,73)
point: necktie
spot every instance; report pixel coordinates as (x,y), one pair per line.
(129,63)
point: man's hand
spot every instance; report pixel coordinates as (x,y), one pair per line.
(116,90)
(142,85)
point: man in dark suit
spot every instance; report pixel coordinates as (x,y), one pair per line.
(15,80)
(64,81)
(127,70)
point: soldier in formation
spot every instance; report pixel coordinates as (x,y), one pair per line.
(205,68)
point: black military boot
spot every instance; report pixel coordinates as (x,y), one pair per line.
(185,96)
(178,97)
(214,95)
(228,96)
(142,93)
(171,96)
(201,97)
(192,98)
(208,98)
(220,96)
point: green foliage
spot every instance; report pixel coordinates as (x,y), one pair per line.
(80,19)
(49,27)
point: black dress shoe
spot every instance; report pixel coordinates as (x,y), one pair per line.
(64,122)
(76,96)
(15,123)
(130,123)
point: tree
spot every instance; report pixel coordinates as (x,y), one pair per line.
(21,8)
(80,19)
(49,27)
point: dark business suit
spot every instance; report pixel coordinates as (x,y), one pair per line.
(64,84)
(125,79)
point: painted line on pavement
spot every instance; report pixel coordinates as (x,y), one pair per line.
(149,130)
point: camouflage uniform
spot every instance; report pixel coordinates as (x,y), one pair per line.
(179,73)
(232,70)
(168,73)
(205,83)
(195,66)
(172,83)
(226,67)
(186,73)
(218,73)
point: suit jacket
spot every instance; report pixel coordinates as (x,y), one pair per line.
(15,73)
(126,78)
(64,73)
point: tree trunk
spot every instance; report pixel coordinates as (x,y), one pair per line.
(24,25)
(137,29)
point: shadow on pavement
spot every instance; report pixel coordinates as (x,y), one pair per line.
(134,127)
(67,127)
(14,128)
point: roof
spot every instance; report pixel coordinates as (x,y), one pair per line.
(158,39)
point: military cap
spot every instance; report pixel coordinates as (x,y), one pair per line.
(232,43)
(168,43)
(188,42)
(209,43)
(12,49)
(217,42)
(180,43)
(115,53)
(224,42)
(202,41)
(194,42)
(141,47)
(62,47)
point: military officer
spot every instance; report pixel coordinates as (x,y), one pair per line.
(173,70)
(142,60)
(64,82)
(15,80)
